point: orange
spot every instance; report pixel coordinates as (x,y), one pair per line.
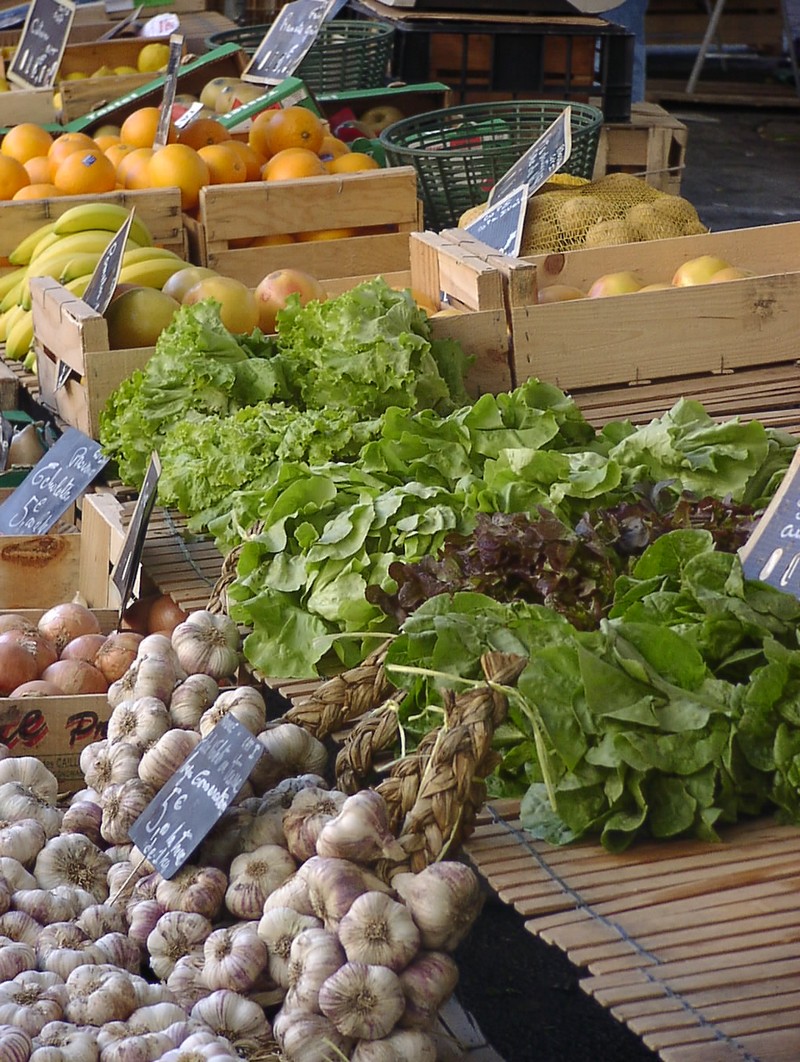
(224,165)
(38,169)
(139,128)
(13,176)
(293,163)
(257,134)
(132,168)
(42,190)
(293,127)
(251,159)
(179,166)
(117,152)
(273,240)
(86,173)
(332,147)
(107,140)
(63,145)
(352,162)
(325,234)
(203,131)
(25,141)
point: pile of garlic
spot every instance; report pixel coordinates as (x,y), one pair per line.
(280,911)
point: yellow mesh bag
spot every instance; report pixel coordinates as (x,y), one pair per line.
(617,208)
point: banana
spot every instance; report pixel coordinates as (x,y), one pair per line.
(9,319)
(108,216)
(146,254)
(20,337)
(80,265)
(52,261)
(30,360)
(26,248)
(11,279)
(79,285)
(151,274)
(14,295)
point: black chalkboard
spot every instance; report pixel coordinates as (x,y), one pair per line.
(500,225)
(175,822)
(170,87)
(288,40)
(540,161)
(106,273)
(772,553)
(42,42)
(6,434)
(52,485)
(124,573)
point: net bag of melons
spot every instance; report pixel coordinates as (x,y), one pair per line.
(570,212)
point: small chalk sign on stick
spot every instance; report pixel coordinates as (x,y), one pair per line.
(124,574)
(41,45)
(170,88)
(287,41)
(500,226)
(540,161)
(772,553)
(196,797)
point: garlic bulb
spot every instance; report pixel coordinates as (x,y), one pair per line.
(122,879)
(122,689)
(148,993)
(234,958)
(233,1016)
(16,925)
(427,983)
(156,678)
(107,762)
(122,806)
(207,643)
(293,894)
(333,884)
(15,1044)
(244,703)
(402,1045)
(60,904)
(277,928)
(60,1041)
(444,900)
(62,947)
(5,896)
(176,934)
(166,755)
(202,1047)
(194,696)
(155,1018)
(141,1047)
(360,832)
(22,840)
(101,918)
(315,954)
(31,773)
(157,645)
(98,994)
(265,826)
(198,889)
(309,1037)
(362,1001)
(253,876)
(15,958)
(17,802)
(142,918)
(16,877)
(290,750)
(138,722)
(309,811)
(117,949)
(31,1000)
(186,980)
(379,931)
(72,859)
(225,839)
(83,816)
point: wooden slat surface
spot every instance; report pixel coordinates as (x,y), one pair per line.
(695,946)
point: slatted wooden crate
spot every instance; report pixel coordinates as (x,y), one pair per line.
(651,145)
(691,944)
(37,571)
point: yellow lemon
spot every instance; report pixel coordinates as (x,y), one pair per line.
(125,70)
(152,57)
(4,85)
(76,75)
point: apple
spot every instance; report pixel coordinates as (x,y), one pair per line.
(659,286)
(238,308)
(381,117)
(621,283)
(730,273)
(560,293)
(698,270)
(275,288)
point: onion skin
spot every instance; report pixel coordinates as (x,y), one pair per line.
(17,666)
(116,654)
(135,616)
(37,688)
(64,622)
(75,677)
(164,615)
(84,647)
(40,648)
(11,621)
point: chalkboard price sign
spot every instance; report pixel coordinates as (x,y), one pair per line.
(175,822)
(500,226)
(106,273)
(124,573)
(52,485)
(540,161)
(772,553)
(44,36)
(288,40)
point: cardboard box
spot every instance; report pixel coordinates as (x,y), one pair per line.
(652,146)
(56,729)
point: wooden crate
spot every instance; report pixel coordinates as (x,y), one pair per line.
(9,388)
(757,23)
(65,328)
(56,729)
(652,146)
(375,198)
(37,571)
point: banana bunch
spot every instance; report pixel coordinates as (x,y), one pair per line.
(68,249)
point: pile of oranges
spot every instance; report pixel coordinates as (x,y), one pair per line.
(282,145)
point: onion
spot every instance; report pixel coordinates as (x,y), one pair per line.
(134,617)
(12,621)
(117,653)
(84,647)
(37,688)
(64,622)
(40,648)
(76,676)
(165,615)
(17,665)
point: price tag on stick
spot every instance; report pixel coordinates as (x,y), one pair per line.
(500,225)
(52,485)
(540,161)
(170,88)
(44,36)
(772,553)
(289,38)
(124,573)
(195,798)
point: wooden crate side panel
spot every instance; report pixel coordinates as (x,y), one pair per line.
(27,105)
(653,145)
(591,343)
(65,325)
(37,571)
(102,536)
(454,264)
(9,388)
(87,94)
(105,371)
(483,335)
(55,730)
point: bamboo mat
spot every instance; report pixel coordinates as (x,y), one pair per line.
(695,946)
